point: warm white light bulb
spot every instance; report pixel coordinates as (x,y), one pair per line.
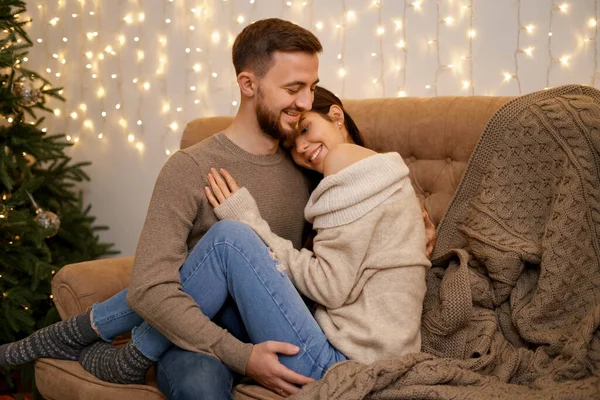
(564,7)
(401,44)
(449,20)
(146,85)
(401,93)
(416,4)
(73,115)
(380,30)
(174,126)
(507,76)
(319,25)
(350,16)
(241,19)
(130,137)
(216,37)
(466,84)
(471,33)
(342,72)
(197,67)
(529,51)
(564,60)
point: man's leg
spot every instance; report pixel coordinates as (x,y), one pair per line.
(206,377)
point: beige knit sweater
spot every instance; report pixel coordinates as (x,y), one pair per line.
(367,270)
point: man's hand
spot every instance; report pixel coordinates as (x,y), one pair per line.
(264,367)
(430,233)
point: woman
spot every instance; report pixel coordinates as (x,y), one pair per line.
(366,272)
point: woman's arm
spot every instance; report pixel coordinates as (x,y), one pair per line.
(326,275)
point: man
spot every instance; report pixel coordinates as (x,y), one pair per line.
(276,63)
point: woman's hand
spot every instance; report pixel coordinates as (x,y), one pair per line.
(220,189)
(430,232)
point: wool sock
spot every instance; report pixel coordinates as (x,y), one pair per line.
(62,340)
(123,365)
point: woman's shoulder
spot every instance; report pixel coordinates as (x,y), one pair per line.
(344,155)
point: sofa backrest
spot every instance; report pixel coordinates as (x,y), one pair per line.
(435,136)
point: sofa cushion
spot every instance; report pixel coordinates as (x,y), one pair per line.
(60,380)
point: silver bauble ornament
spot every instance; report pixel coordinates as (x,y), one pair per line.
(27,94)
(48,221)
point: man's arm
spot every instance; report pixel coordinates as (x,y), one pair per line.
(155,289)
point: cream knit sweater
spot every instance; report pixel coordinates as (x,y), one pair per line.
(368,264)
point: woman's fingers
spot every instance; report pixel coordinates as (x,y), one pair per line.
(216,188)
(221,183)
(233,186)
(211,198)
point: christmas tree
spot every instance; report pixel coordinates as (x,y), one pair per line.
(44,223)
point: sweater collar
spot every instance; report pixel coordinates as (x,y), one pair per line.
(344,197)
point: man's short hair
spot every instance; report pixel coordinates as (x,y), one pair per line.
(253,48)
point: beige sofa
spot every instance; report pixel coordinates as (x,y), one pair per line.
(434,135)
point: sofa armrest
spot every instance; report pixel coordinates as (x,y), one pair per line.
(77,286)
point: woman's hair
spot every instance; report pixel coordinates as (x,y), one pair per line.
(323,101)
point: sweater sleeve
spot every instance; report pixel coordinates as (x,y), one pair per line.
(155,290)
(326,275)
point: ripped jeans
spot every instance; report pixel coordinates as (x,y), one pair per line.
(231,259)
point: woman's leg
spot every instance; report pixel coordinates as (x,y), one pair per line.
(232,260)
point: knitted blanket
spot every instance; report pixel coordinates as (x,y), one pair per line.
(513,303)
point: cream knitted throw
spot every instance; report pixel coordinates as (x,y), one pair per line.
(513,303)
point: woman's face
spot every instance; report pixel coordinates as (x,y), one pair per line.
(315,137)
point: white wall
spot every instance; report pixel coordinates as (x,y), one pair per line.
(123,172)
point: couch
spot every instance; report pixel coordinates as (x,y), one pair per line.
(435,136)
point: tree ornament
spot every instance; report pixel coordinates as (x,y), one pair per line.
(47,220)
(27,94)
(3,212)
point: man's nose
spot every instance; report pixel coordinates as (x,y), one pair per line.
(304,100)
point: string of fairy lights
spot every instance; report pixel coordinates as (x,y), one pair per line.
(100,97)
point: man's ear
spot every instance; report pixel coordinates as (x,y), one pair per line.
(247,82)
(336,114)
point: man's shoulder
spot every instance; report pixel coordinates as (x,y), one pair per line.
(203,147)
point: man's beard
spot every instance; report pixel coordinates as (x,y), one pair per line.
(269,122)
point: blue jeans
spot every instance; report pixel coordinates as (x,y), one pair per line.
(231,260)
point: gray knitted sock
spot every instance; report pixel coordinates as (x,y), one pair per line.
(62,340)
(116,365)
